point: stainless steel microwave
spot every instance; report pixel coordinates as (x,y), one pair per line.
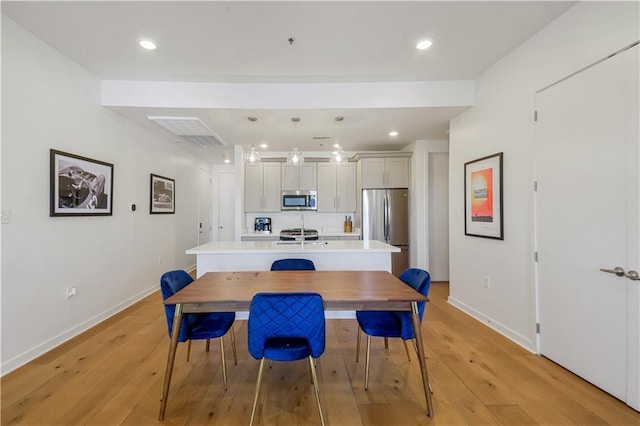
(299,200)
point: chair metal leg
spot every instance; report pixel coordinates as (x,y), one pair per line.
(358,344)
(206,346)
(366,368)
(233,346)
(315,387)
(188,348)
(406,349)
(224,363)
(257,393)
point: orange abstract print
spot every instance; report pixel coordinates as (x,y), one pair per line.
(482,195)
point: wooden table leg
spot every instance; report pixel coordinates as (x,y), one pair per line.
(175,333)
(415,318)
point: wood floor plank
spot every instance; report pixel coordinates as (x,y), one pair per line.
(511,415)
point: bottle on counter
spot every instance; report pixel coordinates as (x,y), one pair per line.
(348,225)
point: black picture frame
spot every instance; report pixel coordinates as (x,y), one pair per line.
(483,197)
(162,195)
(79,186)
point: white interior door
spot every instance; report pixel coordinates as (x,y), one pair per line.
(587,159)
(226,203)
(439,216)
(204,207)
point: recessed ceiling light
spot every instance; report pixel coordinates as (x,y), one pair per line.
(147,43)
(264,146)
(226,160)
(393,133)
(424,44)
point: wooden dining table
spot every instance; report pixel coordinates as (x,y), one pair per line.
(340,290)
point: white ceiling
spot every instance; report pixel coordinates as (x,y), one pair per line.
(248,42)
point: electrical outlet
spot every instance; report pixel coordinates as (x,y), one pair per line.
(72,292)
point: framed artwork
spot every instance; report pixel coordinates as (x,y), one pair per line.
(163,195)
(483,197)
(79,186)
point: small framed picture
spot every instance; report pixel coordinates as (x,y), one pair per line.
(483,197)
(163,195)
(79,186)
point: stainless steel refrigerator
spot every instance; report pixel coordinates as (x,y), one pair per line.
(385,217)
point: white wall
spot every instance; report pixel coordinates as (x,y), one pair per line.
(50,102)
(502,120)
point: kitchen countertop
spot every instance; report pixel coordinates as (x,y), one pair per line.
(286,247)
(327,232)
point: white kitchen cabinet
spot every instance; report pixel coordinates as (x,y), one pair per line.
(301,177)
(385,172)
(262,187)
(336,187)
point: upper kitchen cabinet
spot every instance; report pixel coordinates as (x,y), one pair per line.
(336,187)
(262,187)
(300,177)
(385,172)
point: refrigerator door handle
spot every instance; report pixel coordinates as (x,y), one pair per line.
(386,220)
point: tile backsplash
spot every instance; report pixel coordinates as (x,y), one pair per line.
(313,220)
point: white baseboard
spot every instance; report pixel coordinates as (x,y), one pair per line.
(33,353)
(517,338)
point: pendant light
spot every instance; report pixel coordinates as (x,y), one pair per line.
(295,157)
(338,156)
(253,156)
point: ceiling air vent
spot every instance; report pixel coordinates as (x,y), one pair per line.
(191,129)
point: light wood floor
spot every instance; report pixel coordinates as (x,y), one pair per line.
(112,375)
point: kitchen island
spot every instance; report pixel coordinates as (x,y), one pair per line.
(351,255)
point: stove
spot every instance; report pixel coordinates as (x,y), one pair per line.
(294,234)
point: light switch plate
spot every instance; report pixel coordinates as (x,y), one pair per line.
(5,216)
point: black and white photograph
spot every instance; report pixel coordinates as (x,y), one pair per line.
(80,186)
(162,195)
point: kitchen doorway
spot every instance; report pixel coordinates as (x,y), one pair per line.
(438,193)
(204,207)
(225,207)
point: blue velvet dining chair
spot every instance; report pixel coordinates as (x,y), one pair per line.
(286,327)
(293,265)
(390,323)
(197,326)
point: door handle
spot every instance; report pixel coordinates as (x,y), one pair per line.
(633,275)
(619,271)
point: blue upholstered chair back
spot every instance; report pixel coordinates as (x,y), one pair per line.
(286,315)
(420,280)
(170,283)
(293,265)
